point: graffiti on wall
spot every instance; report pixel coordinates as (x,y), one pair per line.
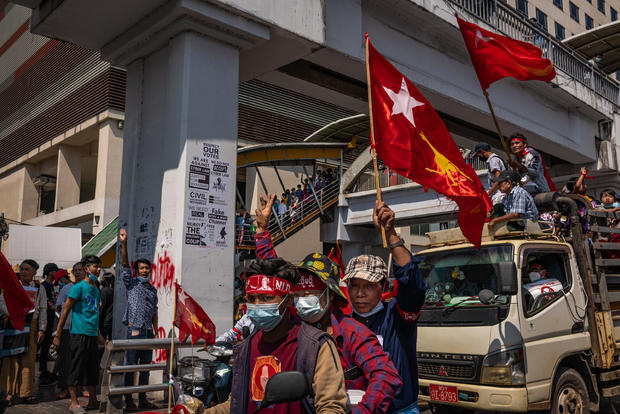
(162,276)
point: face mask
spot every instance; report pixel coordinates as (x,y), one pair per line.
(143,279)
(534,276)
(93,278)
(266,316)
(61,284)
(309,307)
(377,309)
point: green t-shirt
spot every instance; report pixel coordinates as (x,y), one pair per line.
(85,311)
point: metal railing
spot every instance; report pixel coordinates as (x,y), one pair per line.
(113,385)
(307,210)
(513,24)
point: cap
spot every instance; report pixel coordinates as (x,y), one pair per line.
(482,146)
(59,275)
(325,269)
(507,175)
(368,267)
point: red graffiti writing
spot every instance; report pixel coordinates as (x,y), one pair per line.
(161,355)
(163,272)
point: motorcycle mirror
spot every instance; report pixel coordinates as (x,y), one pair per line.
(284,387)
(485,296)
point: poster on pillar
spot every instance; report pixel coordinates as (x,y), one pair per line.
(208,184)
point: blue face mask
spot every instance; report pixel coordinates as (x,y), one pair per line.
(266,316)
(143,279)
(61,284)
(376,309)
(93,278)
(309,307)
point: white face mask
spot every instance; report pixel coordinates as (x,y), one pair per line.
(534,276)
(376,309)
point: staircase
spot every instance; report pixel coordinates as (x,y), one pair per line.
(284,226)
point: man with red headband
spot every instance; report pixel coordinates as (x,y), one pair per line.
(279,344)
(318,300)
(530,165)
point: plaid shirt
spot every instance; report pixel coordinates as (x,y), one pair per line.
(520,201)
(357,346)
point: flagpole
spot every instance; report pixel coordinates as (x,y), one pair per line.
(171,356)
(372,141)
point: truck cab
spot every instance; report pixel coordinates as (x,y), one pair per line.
(505,327)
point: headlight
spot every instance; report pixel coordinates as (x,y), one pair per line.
(504,368)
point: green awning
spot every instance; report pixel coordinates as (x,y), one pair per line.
(103,240)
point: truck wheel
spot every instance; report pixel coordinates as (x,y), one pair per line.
(570,393)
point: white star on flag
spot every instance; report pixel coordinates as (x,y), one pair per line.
(403,102)
(480,36)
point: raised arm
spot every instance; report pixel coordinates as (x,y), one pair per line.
(264,247)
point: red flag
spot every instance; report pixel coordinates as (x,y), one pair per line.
(191,319)
(337,258)
(495,56)
(412,140)
(17,301)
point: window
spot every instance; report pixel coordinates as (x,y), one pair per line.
(558,4)
(589,22)
(613,13)
(560,33)
(574,11)
(601,6)
(541,19)
(522,7)
(545,276)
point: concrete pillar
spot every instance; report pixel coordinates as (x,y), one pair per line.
(68,177)
(109,166)
(29,200)
(180,136)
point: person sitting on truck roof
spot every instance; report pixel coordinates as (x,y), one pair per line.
(518,203)
(530,165)
(495,166)
(394,322)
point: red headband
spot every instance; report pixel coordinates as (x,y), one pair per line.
(308,281)
(518,139)
(269,285)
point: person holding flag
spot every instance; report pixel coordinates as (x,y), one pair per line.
(530,165)
(280,344)
(318,301)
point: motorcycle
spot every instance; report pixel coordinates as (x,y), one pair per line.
(208,379)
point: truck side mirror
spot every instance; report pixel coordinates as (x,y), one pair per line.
(284,387)
(507,279)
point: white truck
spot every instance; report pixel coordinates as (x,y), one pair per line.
(529,322)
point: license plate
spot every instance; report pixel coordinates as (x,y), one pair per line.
(444,393)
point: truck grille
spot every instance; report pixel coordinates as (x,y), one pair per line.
(434,369)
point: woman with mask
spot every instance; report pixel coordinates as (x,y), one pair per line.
(366,365)
(280,344)
(318,300)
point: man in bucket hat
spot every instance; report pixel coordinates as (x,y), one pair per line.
(394,322)
(318,300)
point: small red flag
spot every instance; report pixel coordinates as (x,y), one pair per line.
(412,140)
(191,319)
(336,257)
(495,56)
(17,301)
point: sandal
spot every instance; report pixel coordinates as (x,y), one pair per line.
(77,410)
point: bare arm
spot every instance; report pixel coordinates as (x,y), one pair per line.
(263,213)
(510,216)
(495,185)
(384,216)
(579,187)
(122,235)
(63,318)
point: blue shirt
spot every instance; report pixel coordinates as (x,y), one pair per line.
(85,311)
(397,325)
(521,202)
(141,302)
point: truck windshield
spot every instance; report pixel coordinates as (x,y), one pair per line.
(456,277)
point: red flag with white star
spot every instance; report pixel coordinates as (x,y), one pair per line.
(191,319)
(412,140)
(495,56)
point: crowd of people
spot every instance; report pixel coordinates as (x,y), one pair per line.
(68,327)
(513,184)
(290,207)
(372,350)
